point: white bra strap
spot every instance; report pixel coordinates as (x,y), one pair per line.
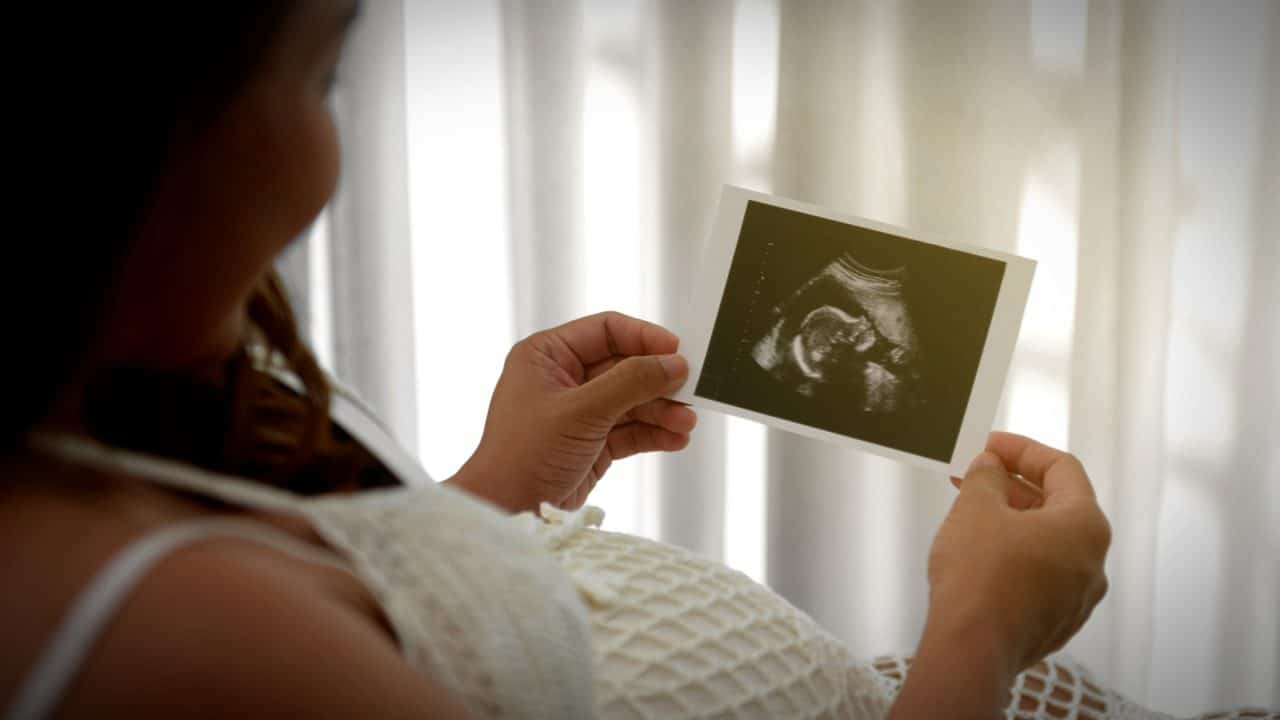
(96,606)
(161,471)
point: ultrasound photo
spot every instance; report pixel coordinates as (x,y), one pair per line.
(850,330)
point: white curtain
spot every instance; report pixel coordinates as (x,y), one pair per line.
(511,165)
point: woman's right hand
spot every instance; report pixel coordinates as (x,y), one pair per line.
(1009,581)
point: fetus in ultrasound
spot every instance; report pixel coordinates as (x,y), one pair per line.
(846,336)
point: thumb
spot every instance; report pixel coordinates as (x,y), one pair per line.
(986,474)
(635,380)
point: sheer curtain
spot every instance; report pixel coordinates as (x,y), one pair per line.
(511,165)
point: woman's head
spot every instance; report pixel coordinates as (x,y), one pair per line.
(210,131)
(252,157)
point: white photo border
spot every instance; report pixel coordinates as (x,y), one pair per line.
(695,327)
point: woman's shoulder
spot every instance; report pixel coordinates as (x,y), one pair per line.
(223,625)
(222,628)
(49,546)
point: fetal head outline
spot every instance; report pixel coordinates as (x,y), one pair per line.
(827,335)
(846,331)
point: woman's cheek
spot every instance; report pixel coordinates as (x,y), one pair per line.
(325,160)
(299,145)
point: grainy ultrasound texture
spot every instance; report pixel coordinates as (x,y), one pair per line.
(850,330)
(846,331)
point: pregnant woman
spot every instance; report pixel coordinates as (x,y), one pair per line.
(195,523)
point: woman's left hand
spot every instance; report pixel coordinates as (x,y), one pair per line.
(570,401)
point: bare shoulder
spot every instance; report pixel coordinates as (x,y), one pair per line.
(222,629)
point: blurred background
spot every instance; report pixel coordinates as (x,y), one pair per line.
(511,165)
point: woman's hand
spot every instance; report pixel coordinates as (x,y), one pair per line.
(570,401)
(1011,579)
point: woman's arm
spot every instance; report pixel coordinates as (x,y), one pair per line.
(221,630)
(1010,580)
(957,672)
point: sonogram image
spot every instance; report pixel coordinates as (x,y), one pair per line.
(850,330)
(846,331)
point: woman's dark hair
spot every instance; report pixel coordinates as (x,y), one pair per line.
(156,75)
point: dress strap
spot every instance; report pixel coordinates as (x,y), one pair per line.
(354,415)
(349,411)
(91,612)
(81,450)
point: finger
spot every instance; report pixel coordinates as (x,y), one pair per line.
(597,337)
(595,370)
(633,438)
(632,382)
(1022,493)
(1060,474)
(598,469)
(667,414)
(986,475)
(577,498)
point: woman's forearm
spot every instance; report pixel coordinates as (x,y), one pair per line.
(957,673)
(478,479)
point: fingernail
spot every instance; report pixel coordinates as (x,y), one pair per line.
(674,365)
(985,460)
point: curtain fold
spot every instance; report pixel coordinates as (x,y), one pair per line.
(1130,147)
(1095,347)
(1130,465)
(1214,594)
(688,107)
(543,60)
(369,242)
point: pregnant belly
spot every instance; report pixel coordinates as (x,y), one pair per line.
(675,635)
